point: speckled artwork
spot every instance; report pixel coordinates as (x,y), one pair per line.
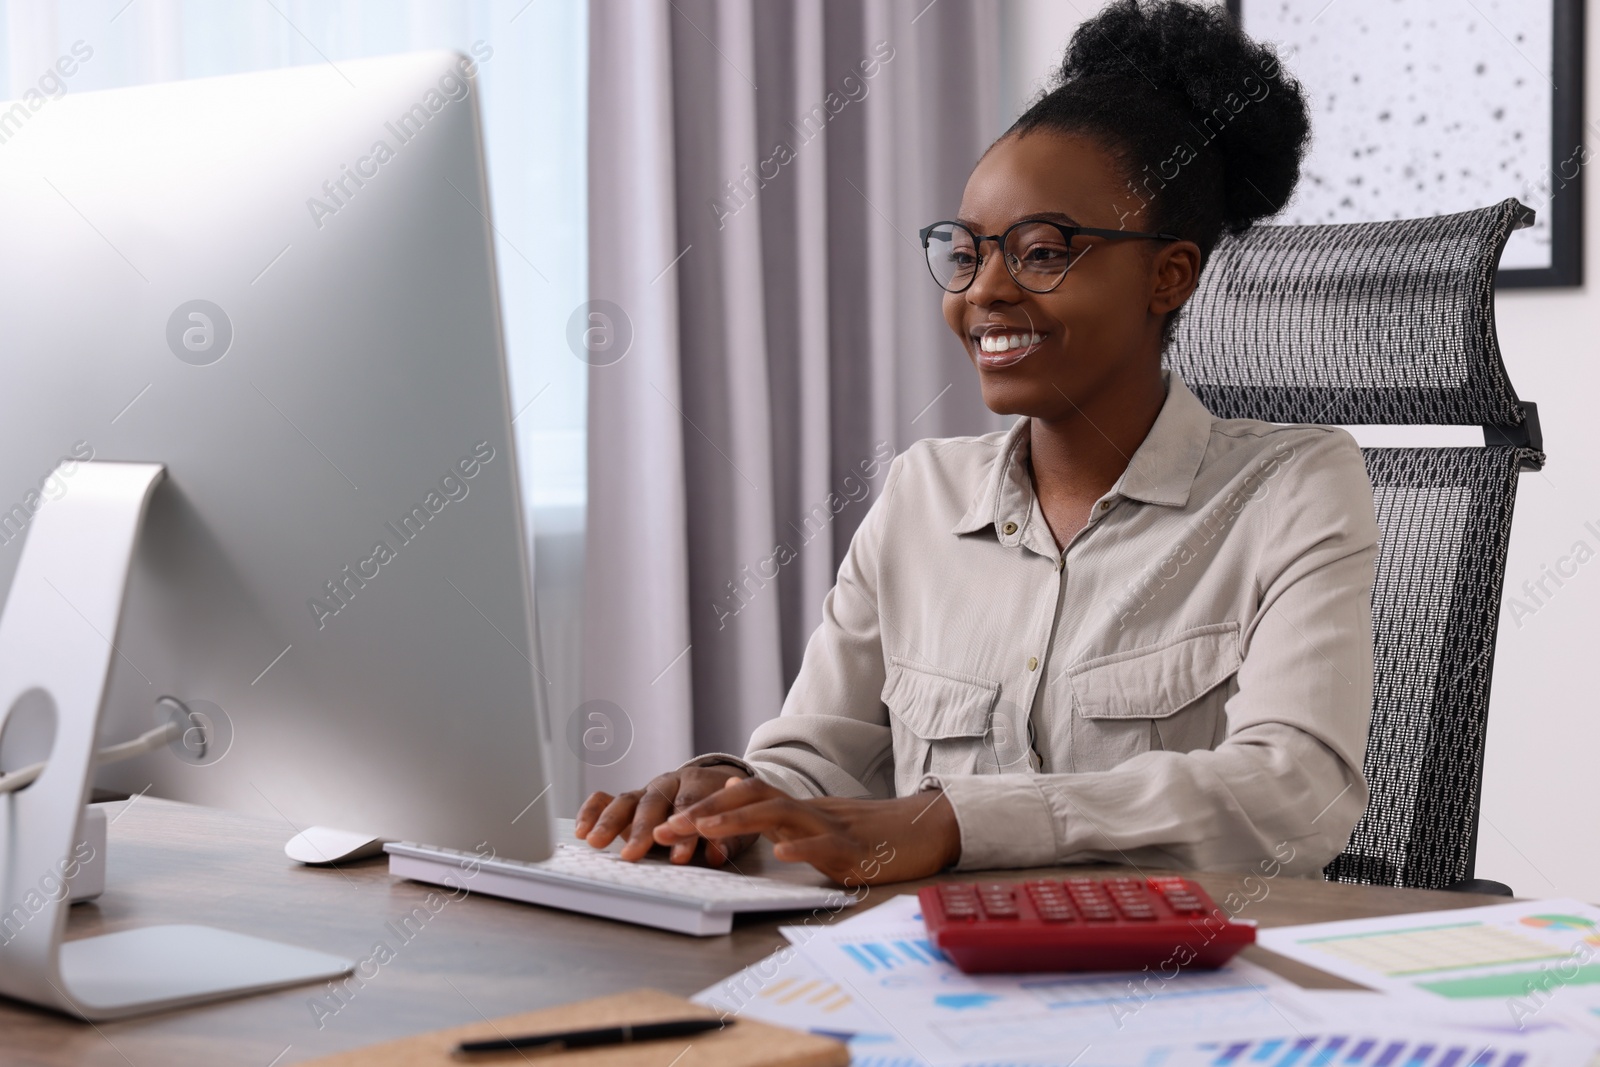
(1421,107)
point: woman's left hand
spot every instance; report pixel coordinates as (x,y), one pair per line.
(854,842)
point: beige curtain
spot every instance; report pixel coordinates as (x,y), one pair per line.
(759,170)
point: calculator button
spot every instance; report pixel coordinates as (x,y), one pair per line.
(1180,896)
(1050,901)
(999,900)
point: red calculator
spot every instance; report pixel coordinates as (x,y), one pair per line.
(1081,924)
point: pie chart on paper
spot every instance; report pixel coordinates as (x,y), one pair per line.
(1557,922)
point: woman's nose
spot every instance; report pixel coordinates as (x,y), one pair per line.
(993,283)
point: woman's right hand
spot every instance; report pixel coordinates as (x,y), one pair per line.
(634,815)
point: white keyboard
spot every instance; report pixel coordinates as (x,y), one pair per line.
(669,896)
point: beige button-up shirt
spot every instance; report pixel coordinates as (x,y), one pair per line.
(1188,683)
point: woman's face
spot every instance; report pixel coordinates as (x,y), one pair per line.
(1099,330)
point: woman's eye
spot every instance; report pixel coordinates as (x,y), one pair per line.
(1045,255)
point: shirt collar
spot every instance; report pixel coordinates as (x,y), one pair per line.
(1162,469)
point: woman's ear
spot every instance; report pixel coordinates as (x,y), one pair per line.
(1176,272)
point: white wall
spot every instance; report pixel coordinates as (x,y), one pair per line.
(1541,814)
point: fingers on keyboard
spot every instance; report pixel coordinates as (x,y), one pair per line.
(589,814)
(617,815)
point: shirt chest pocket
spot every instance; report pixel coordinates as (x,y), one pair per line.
(940,721)
(1169,696)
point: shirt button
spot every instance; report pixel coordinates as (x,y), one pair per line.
(1104,504)
(1009,528)
(1033,663)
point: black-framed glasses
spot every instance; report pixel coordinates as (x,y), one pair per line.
(1037,252)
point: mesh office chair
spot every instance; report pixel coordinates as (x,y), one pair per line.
(1392,323)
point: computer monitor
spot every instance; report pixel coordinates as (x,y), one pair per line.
(281,286)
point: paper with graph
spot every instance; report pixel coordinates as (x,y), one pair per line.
(1520,960)
(1405,1045)
(788,989)
(875,981)
(885,960)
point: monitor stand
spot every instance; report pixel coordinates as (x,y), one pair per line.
(56,638)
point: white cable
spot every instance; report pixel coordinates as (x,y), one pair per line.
(148,741)
(14,781)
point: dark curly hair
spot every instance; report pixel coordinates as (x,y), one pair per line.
(1208,128)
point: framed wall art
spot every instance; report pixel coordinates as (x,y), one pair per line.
(1425,107)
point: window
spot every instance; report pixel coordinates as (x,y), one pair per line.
(533,82)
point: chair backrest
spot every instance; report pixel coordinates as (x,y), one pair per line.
(1392,323)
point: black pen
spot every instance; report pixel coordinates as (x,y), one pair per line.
(605,1035)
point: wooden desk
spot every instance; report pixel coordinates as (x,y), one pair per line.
(477,957)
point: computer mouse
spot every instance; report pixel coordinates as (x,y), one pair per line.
(322,845)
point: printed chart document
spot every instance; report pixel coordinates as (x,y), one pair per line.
(885,960)
(876,981)
(1514,962)
(787,989)
(1386,1046)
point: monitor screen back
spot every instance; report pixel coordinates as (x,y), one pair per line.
(281,286)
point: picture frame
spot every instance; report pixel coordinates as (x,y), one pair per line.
(1535,102)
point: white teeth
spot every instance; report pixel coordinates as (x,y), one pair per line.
(1005,342)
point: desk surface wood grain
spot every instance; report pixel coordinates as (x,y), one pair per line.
(476,957)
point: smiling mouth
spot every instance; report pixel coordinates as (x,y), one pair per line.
(1002,347)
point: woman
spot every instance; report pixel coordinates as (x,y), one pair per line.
(1123,629)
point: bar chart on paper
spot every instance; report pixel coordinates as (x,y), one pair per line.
(874,957)
(1338,1050)
(1378,1047)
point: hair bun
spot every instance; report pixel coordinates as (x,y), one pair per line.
(1238,98)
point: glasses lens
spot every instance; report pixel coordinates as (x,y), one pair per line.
(1038,256)
(951,256)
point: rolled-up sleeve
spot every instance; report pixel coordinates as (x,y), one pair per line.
(1286,781)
